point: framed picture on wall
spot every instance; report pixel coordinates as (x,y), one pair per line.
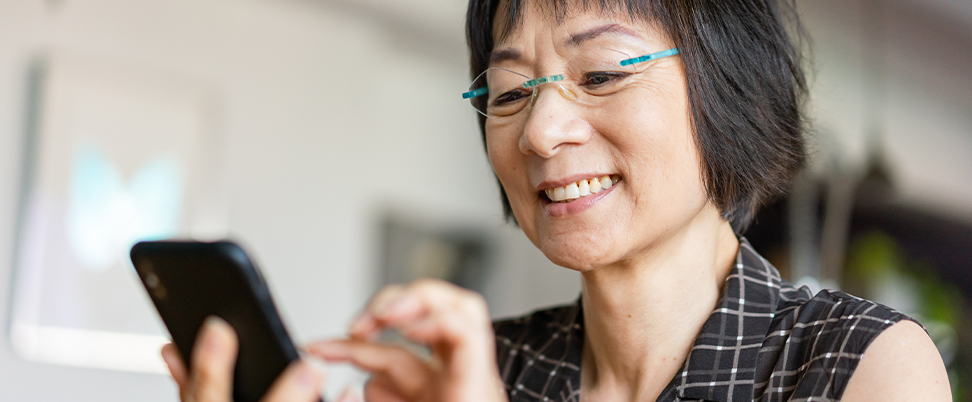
(116,153)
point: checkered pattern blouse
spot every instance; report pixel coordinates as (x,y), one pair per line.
(766,340)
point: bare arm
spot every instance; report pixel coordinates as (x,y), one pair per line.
(902,364)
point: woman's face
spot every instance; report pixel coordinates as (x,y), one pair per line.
(641,136)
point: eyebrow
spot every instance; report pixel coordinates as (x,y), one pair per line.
(504,55)
(579,39)
(572,41)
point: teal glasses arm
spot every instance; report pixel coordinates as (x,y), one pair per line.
(475,93)
(529,84)
(554,78)
(650,57)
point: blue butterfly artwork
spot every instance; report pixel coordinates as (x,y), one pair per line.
(106,215)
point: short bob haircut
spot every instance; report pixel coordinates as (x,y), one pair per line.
(746,85)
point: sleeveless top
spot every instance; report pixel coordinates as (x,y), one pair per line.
(766,340)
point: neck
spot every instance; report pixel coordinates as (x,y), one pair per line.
(641,316)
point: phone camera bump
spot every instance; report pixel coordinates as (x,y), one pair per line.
(151,280)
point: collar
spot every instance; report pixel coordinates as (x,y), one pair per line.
(722,363)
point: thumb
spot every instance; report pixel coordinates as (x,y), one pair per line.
(213,358)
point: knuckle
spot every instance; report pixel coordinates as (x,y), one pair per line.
(387,292)
(472,303)
(479,302)
(466,304)
(393,288)
(454,324)
(428,285)
(383,296)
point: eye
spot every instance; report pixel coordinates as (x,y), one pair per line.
(510,97)
(600,78)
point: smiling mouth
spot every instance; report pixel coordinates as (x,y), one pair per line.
(580,189)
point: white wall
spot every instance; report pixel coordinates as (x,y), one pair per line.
(331,113)
(334,110)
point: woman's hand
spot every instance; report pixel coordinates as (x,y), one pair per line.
(213,359)
(453,322)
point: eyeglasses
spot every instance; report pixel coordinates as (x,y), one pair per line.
(588,77)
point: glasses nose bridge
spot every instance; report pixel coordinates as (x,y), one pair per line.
(557,80)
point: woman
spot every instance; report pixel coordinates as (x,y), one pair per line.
(632,141)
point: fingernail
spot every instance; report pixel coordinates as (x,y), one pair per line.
(214,321)
(359,323)
(212,341)
(167,356)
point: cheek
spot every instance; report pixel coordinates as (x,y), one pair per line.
(502,151)
(507,162)
(658,150)
(656,134)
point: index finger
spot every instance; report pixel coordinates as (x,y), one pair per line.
(176,367)
(365,324)
(426,299)
(299,382)
(403,370)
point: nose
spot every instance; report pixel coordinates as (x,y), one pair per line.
(553,122)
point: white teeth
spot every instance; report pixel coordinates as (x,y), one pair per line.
(581,188)
(572,191)
(606,182)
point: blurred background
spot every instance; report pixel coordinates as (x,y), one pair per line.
(329,138)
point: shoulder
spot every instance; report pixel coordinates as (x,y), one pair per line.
(816,344)
(830,323)
(835,313)
(902,364)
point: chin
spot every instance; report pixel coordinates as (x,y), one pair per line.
(587,243)
(580,255)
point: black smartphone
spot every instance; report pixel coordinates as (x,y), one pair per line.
(189,281)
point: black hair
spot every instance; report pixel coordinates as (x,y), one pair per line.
(746,85)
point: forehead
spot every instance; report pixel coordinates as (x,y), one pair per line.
(519,23)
